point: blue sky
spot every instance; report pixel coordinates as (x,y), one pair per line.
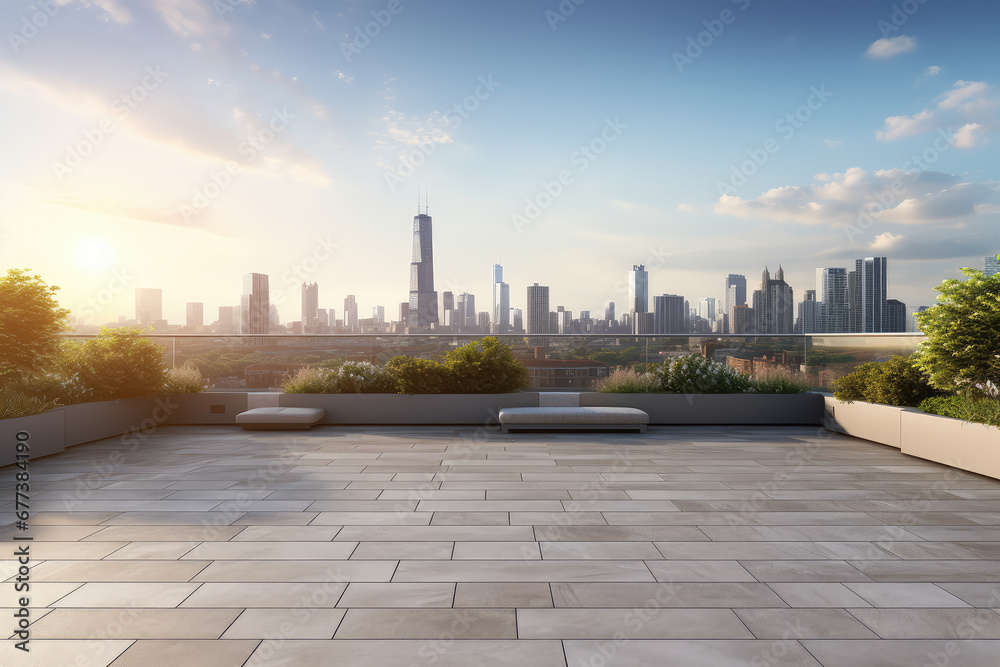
(270,137)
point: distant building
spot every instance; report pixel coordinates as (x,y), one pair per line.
(501,302)
(517,320)
(871,294)
(229,320)
(255,307)
(538,309)
(668,314)
(565,373)
(736,292)
(351,323)
(809,316)
(423,315)
(310,307)
(638,296)
(447,314)
(774,305)
(741,320)
(832,293)
(483,322)
(991,266)
(917,311)
(895,316)
(194,315)
(706,308)
(609,312)
(148,306)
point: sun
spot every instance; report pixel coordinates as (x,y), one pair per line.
(94,254)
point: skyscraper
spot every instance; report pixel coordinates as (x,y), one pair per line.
(706,308)
(228,320)
(310,307)
(736,292)
(501,302)
(423,315)
(538,309)
(895,316)
(809,318)
(351,323)
(148,306)
(668,314)
(255,307)
(195,315)
(447,314)
(638,290)
(991,266)
(773,305)
(871,277)
(609,312)
(465,309)
(832,293)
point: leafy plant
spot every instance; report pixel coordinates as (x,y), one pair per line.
(963,332)
(30,318)
(419,376)
(309,381)
(186,379)
(697,374)
(980,410)
(352,377)
(897,381)
(485,367)
(16,403)
(627,381)
(778,381)
(118,363)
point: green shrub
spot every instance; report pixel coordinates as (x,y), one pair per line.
(353,377)
(309,381)
(778,381)
(897,381)
(30,318)
(14,402)
(184,380)
(119,363)
(697,374)
(963,333)
(627,381)
(419,376)
(980,410)
(485,367)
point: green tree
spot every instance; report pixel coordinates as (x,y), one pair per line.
(485,367)
(119,363)
(30,318)
(963,333)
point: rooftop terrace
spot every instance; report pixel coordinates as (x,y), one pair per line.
(462,546)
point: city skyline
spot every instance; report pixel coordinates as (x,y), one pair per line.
(180,145)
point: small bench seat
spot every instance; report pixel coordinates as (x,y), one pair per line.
(573,418)
(280,418)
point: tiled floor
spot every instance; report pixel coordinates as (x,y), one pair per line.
(444,546)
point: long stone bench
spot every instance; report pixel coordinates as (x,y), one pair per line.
(561,411)
(280,418)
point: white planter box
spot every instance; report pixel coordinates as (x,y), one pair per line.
(47,433)
(870,421)
(953,442)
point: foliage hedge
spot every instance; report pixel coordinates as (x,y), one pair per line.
(897,381)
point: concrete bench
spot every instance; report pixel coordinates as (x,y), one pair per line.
(562,411)
(280,418)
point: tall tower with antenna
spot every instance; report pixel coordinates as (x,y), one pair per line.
(423,313)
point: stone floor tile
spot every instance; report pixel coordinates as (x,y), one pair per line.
(904,653)
(905,595)
(178,533)
(818,594)
(803,570)
(523,571)
(435,533)
(600,550)
(664,594)
(982,594)
(151,550)
(788,624)
(496,551)
(557,518)
(428,623)
(286,623)
(144,594)
(931,570)
(297,571)
(189,653)
(113,571)
(323,594)
(470,519)
(689,653)
(380,653)
(399,595)
(640,623)
(310,533)
(272,551)
(135,623)
(693,570)
(65,652)
(487,595)
(404,550)
(931,623)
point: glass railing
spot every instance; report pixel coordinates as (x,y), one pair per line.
(237,362)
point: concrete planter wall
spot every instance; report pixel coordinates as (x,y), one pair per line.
(458,409)
(953,442)
(47,433)
(753,409)
(870,421)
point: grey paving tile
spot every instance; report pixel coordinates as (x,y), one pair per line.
(190,653)
(664,594)
(65,651)
(641,623)
(287,534)
(522,571)
(619,534)
(297,571)
(904,653)
(906,595)
(320,594)
(788,624)
(113,571)
(821,594)
(496,551)
(931,570)
(470,519)
(380,653)
(690,653)
(399,595)
(428,623)
(436,533)
(272,551)
(285,624)
(982,594)
(487,595)
(804,570)
(931,623)
(404,550)
(693,571)
(145,594)
(134,623)
(600,550)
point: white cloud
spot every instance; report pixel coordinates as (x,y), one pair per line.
(972,106)
(932,70)
(687,208)
(885,242)
(343,77)
(888,47)
(830,143)
(891,196)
